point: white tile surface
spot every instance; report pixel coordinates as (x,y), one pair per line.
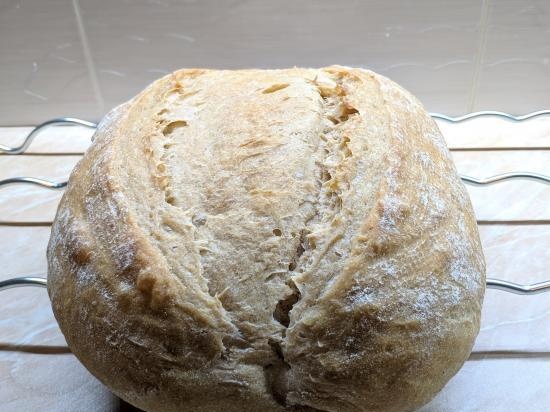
(37,372)
(66,139)
(82,57)
(496,132)
(134,43)
(515,73)
(514,322)
(28,203)
(513,14)
(43,73)
(512,200)
(505,384)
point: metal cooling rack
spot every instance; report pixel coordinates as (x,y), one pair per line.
(511,287)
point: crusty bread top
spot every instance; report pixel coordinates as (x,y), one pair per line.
(260,240)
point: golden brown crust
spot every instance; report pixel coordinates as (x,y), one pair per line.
(265,241)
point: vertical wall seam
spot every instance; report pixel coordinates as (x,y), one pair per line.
(480,55)
(88,57)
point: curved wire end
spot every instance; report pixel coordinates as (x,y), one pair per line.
(61,121)
(517,288)
(48,184)
(23,281)
(536,177)
(491,113)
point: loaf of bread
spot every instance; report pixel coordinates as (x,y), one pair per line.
(268,240)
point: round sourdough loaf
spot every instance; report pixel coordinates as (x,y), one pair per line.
(268,240)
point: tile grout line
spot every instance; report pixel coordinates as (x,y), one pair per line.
(480,55)
(88,56)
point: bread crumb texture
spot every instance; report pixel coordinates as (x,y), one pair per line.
(268,240)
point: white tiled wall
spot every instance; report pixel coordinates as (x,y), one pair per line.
(82,57)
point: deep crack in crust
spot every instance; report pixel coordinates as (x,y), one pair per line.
(268,240)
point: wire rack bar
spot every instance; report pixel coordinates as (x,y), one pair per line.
(48,184)
(490,113)
(535,177)
(517,288)
(62,121)
(498,284)
(22,282)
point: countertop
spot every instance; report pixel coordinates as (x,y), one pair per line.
(509,369)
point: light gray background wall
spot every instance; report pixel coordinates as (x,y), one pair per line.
(82,57)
